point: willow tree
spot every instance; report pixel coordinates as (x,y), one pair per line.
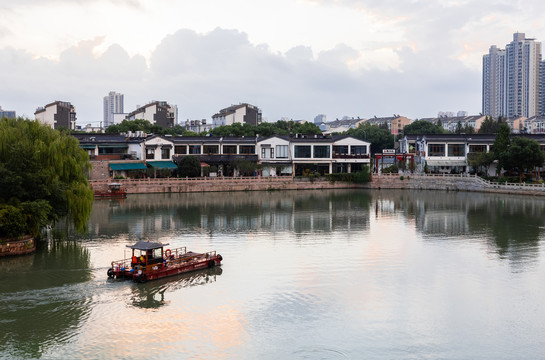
(42,178)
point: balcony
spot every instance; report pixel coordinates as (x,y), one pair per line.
(350,156)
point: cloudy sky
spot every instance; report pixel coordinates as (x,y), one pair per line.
(291,58)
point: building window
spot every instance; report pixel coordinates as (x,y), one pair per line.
(340,150)
(165,153)
(436,150)
(456,150)
(477,148)
(182,150)
(358,150)
(282,151)
(321,151)
(267,153)
(194,149)
(229,149)
(150,153)
(302,151)
(210,149)
(247,149)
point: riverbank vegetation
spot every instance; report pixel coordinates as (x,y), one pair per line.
(41,178)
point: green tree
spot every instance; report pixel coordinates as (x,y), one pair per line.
(189,166)
(522,156)
(501,144)
(489,126)
(481,160)
(419,127)
(379,138)
(43,175)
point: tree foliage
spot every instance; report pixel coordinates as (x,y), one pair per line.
(481,160)
(379,137)
(267,129)
(522,156)
(420,127)
(147,127)
(501,144)
(189,166)
(42,174)
(489,126)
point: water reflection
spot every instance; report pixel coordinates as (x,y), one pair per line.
(301,212)
(512,226)
(45,298)
(151,295)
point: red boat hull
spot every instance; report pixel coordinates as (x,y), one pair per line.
(165,269)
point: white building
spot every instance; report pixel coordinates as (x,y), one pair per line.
(113,104)
(58,114)
(242,114)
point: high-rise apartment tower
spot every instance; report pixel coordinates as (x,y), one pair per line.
(113,104)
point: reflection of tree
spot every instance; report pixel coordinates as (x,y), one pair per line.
(151,295)
(279,210)
(513,223)
(42,303)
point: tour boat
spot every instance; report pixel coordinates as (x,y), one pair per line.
(115,190)
(150,261)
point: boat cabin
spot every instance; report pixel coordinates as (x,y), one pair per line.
(146,253)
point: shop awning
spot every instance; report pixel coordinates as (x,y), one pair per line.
(88,147)
(113,146)
(163,164)
(127,166)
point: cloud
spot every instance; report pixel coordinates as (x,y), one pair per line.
(202,73)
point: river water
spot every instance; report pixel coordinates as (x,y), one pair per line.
(341,274)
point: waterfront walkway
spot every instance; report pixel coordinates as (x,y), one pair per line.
(460,182)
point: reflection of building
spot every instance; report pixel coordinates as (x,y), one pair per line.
(58,114)
(300,212)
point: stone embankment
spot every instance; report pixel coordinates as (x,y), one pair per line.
(461,182)
(176,185)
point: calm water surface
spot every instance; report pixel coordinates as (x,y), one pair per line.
(306,275)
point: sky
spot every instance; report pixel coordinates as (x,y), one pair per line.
(291,58)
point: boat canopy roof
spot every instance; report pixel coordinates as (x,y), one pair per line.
(146,245)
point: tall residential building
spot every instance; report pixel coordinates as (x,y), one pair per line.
(523,61)
(511,79)
(113,104)
(494,82)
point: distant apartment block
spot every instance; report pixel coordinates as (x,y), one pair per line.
(113,104)
(340,126)
(242,114)
(156,112)
(511,79)
(320,119)
(58,114)
(198,126)
(451,123)
(394,123)
(7,114)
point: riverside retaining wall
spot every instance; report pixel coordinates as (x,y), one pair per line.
(411,182)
